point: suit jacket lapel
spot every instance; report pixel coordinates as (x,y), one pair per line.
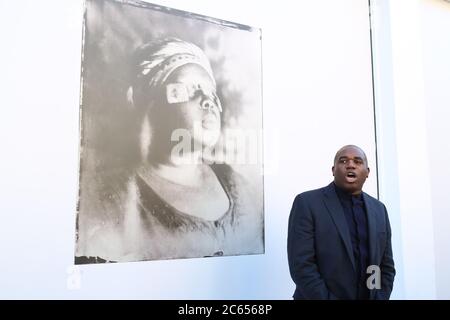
(372,226)
(337,214)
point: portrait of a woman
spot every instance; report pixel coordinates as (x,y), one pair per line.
(176,204)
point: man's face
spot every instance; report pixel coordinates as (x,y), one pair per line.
(350,169)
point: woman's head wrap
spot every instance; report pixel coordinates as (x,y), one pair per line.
(156,61)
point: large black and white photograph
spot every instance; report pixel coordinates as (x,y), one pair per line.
(170,136)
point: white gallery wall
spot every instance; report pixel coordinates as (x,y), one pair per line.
(435,19)
(317,87)
(412,77)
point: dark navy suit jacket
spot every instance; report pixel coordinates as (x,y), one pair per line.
(320,253)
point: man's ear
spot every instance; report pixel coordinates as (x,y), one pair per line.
(332,170)
(368,171)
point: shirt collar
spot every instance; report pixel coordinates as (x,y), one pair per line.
(345,196)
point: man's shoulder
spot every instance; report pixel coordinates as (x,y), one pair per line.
(313,194)
(374,202)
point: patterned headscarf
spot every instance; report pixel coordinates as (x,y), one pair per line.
(156,61)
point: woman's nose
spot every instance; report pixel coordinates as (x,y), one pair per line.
(207,104)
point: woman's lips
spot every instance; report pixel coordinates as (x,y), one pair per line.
(210,122)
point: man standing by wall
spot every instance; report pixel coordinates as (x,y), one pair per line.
(339,238)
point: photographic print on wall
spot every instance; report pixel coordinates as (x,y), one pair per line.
(170,136)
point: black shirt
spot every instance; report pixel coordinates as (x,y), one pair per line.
(356,217)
